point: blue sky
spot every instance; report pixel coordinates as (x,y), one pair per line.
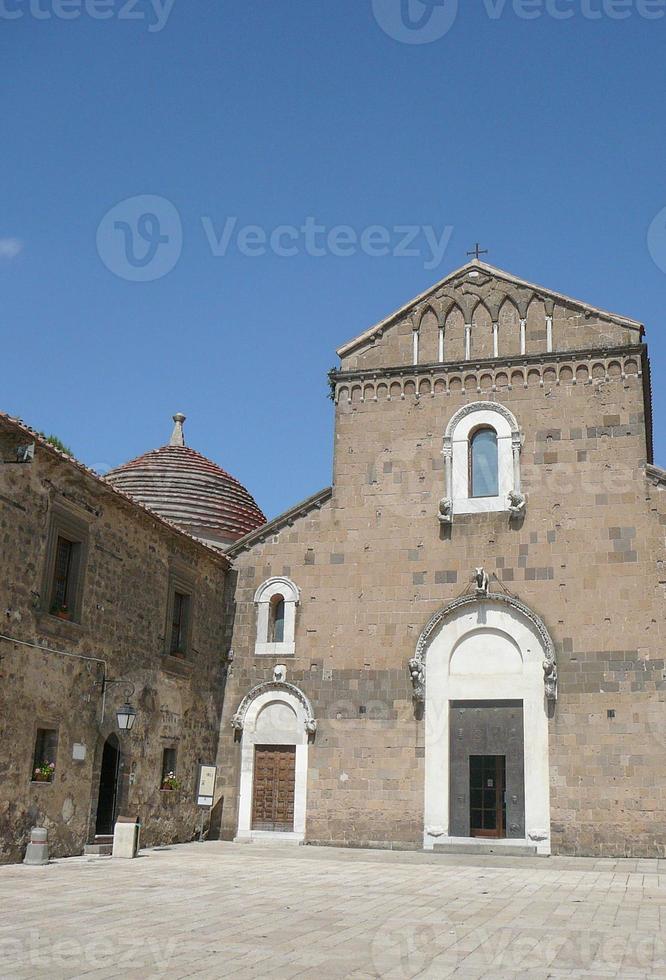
(543,138)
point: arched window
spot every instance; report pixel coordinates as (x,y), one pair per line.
(276,620)
(483,463)
(276,600)
(481,450)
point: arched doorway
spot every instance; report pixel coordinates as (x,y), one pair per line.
(276,722)
(489,671)
(107,801)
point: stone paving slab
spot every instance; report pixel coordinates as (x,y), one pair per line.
(264,911)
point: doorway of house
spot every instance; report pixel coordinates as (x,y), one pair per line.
(274,786)
(107,800)
(487,792)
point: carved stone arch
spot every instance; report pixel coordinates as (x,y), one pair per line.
(430,335)
(454,336)
(508,300)
(466,410)
(508,319)
(468,303)
(446,305)
(482,343)
(278,584)
(522,299)
(275,687)
(418,664)
(481,302)
(424,311)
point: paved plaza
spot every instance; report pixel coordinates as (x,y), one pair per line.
(227,910)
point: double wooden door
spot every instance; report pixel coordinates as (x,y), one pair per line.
(273,789)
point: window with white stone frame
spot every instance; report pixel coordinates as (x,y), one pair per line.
(276,601)
(482,462)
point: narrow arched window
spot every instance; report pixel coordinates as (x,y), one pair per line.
(483,464)
(276,621)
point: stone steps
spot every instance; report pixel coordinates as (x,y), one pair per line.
(483,847)
(101,847)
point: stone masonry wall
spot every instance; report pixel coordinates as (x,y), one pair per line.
(123,622)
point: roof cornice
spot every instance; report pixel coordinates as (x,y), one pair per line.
(515,360)
(315,502)
(17,425)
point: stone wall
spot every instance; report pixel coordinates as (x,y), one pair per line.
(124,617)
(373,564)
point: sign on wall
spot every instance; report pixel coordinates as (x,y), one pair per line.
(206,789)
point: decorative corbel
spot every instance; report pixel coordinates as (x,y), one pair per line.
(482,583)
(417,674)
(550,679)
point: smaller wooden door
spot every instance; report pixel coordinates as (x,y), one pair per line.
(273,790)
(487,784)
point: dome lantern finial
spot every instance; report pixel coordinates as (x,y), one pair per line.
(177,436)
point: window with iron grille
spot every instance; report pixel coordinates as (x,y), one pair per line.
(64,577)
(179,623)
(65,564)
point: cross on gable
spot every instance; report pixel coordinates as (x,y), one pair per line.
(477,251)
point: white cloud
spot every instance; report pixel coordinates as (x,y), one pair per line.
(10,248)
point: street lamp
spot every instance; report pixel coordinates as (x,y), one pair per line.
(126,716)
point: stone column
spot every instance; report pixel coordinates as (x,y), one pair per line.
(495,339)
(523,335)
(516,447)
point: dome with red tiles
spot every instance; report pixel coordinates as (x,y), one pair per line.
(184,487)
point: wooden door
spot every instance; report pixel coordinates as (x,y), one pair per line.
(487,782)
(273,789)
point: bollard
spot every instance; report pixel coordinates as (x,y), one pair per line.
(126,838)
(37,851)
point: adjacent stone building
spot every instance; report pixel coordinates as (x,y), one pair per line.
(462,639)
(103,602)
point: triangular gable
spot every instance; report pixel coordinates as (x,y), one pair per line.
(477,280)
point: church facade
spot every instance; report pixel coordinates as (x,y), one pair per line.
(461,641)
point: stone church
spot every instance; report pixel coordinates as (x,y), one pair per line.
(461,640)
(457,644)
